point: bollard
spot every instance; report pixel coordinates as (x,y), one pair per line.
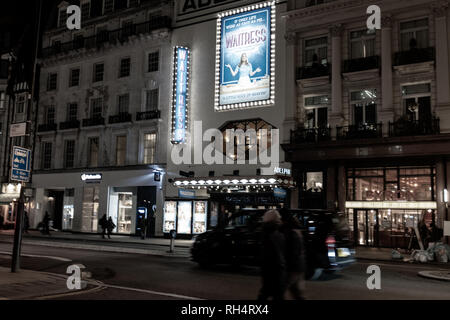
(173,235)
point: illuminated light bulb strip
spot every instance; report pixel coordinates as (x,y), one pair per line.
(250,104)
(176,138)
(237,181)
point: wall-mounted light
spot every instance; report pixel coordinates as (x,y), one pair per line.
(445,197)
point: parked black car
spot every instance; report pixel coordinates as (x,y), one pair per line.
(238,241)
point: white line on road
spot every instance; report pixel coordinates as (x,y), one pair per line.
(38,256)
(173,295)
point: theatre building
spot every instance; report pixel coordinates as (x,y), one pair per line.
(102,117)
(372,134)
(234,72)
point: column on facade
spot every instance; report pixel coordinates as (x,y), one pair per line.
(386,113)
(290,88)
(442,51)
(439,192)
(336,79)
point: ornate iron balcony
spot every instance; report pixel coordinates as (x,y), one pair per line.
(47,127)
(361,131)
(98,121)
(314,71)
(404,127)
(303,135)
(148,115)
(414,56)
(119,118)
(361,64)
(72,124)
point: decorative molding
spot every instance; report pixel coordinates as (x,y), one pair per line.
(330,7)
(290,37)
(386,21)
(336,30)
(439,9)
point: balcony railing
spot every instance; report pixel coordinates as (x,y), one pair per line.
(303,135)
(361,131)
(414,56)
(98,121)
(318,70)
(404,127)
(47,127)
(361,64)
(72,124)
(147,115)
(119,118)
(113,36)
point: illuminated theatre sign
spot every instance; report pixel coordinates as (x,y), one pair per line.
(245,57)
(180,94)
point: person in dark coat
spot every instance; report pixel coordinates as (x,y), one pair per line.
(143,227)
(110,226)
(273,263)
(46,223)
(26,222)
(103,222)
(295,255)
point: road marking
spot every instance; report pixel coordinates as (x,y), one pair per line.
(173,295)
(37,256)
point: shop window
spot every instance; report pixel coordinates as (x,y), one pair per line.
(68,209)
(125,213)
(314,182)
(362,44)
(414,30)
(170,216)
(315,50)
(200,217)
(90,209)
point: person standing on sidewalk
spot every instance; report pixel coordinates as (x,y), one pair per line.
(110,226)
(46,223)
(295,255)
(273,262)
(26,222)
(143,227)
(103,222)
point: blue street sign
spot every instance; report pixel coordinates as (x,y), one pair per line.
(21,164)
(183,193)
(279,193)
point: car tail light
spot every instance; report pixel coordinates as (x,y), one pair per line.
(330,241)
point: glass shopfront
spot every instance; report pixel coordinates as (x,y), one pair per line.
(386,204)
(122,208)
(187,217)
(90,209)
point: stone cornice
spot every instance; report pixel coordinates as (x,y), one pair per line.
(330,7)
(439,9)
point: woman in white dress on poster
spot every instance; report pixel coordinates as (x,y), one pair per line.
(245,70)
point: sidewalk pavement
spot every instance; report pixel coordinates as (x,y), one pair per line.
(27,284)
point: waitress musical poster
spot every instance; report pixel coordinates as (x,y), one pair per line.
(245,57)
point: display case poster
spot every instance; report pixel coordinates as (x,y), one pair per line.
(200,216)
(245,57)
(170,215)
(184,218)
(214,215)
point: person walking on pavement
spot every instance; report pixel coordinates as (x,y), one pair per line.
(46,223)
(273,263)
(103,222)
(295,255)
(110,226)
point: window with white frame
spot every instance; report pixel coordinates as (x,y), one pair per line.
(72,111)
(50,114)
(316,48)
(149,148)
(362,44)
(153,61)
(46,155)
(74,77)
(151,100)
(417,101)
(20,103)
(69,153)
(52,81)
(417,30)
(125,67)
(98,72)
(121,150)
(123,102)
(96,108)
(316,111)
(364,107)
(93,152)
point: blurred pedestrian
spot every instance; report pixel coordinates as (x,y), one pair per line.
(295,255)
(110,226)
(103,222)
(46,223)
(273,263)
(26,222)
(143,227)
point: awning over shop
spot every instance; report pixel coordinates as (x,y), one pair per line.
(7,198)
(234,181)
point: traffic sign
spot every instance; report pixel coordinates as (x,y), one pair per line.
(21,164)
